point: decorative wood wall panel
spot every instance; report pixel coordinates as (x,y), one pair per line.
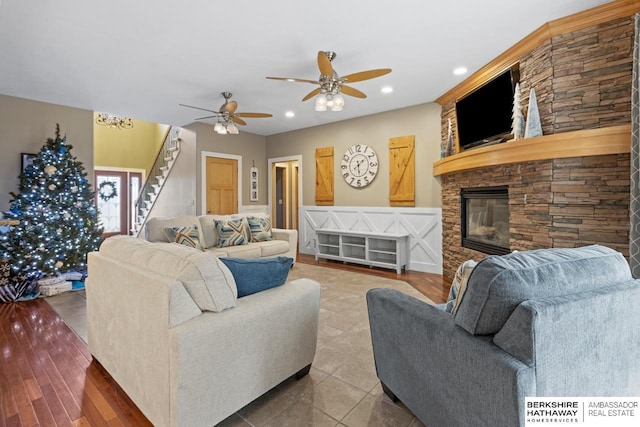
(402,174)
(324,176)
(424,226)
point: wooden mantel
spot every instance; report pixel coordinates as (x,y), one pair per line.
(589,142)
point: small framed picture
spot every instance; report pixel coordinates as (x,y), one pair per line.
(254,184)
(26,160)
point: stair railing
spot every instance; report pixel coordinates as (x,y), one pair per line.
(155,180)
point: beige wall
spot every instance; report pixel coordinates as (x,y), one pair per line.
(246,145)
(134,148)
(25,125)
(24,128)
(422,120)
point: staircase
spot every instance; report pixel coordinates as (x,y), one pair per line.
(158,175)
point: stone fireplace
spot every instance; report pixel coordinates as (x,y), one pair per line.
(484,219)
(566,202)
(569,187)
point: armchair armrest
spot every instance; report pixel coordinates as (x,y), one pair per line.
(290,236)
(438,370)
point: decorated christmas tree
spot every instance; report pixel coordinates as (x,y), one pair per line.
(58,221)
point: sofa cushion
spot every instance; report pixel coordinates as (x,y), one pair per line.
(219,252)
(188,236)
(272,247)
(154,228)
(231,232)
(252,250)
(208,229)
(498,284)
(256,275)
(208,281)
(260,228)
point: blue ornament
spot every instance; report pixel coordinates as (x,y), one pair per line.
(83,180)
(62,150)
(80,223)
(91,210)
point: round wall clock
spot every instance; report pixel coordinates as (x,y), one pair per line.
(359,165)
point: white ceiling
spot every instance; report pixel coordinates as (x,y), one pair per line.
(142,58)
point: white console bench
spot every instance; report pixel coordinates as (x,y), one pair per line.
(375,249)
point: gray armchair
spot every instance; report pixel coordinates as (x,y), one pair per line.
(551,322)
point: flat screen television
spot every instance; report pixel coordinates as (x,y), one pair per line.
(484,115)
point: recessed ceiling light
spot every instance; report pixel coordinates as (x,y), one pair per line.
(460,71)
(290,114)
(386,89)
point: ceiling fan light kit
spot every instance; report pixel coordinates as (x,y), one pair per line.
(332,86)
(227,116)
(334,102)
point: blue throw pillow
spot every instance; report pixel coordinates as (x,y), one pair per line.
(258,274)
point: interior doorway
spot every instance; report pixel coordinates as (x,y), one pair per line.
(117,192)
(280,196)
(284,191)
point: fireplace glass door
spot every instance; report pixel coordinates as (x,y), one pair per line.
(485,219)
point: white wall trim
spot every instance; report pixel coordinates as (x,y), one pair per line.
(203,177)
(254,209)
(424,226)
(270,163)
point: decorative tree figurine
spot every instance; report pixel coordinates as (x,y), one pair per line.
(533,127)
(517,126)
(58,220)
(449,150)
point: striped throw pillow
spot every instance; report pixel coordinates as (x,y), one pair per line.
(187,236)
(260,228)
(231,232)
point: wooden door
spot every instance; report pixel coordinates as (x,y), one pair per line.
(222,186)
(294,196)
(324,176)
(402,176)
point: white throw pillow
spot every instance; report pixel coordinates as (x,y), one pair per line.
(459,286)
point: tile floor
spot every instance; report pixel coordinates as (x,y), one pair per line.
(342,388)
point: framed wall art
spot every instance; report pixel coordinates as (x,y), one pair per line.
(26,159)
(253,183)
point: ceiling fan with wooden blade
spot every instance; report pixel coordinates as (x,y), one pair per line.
(332,85)
(227,116)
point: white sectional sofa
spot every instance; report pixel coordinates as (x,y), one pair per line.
(165,322)
(284,243)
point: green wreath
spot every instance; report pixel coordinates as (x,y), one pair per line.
(107,190)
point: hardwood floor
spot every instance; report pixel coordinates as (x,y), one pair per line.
(48,378)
